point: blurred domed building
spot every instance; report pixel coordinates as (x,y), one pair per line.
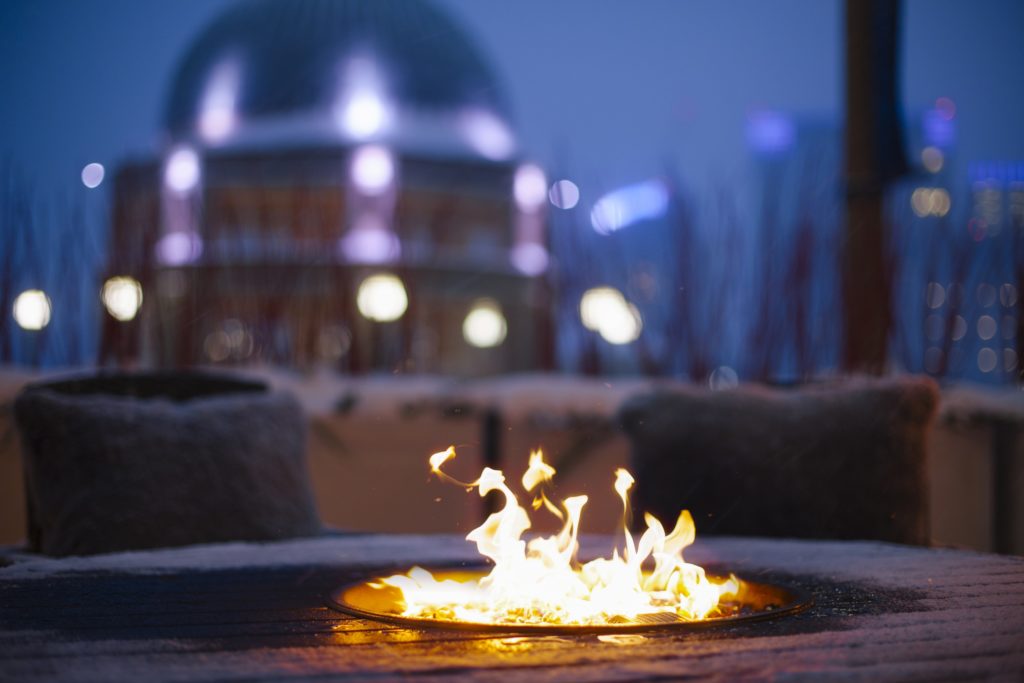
(339,184)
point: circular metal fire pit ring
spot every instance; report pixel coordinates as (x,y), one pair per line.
(357,599)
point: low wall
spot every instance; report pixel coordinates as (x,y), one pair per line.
(369,440)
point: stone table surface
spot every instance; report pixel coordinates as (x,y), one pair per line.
(257,612)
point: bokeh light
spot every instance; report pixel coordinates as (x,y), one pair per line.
(487,134)
(485,325)
(930,201)
(564,194)
(382,298)
(530,187)
(932,159)
(182,170)
(373,169)
(363,111)
(529,258)
(122,297)
(935,295)
(723,377)
(370,241)
(606,311)
(987,360)
(178,249)
(32,310)
(93,174)
(628,205)
(986,327)
(217,115)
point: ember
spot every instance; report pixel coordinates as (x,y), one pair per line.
(540,583)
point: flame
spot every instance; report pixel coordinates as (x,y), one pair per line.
(541,581)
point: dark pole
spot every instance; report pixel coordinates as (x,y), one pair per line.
(874,157)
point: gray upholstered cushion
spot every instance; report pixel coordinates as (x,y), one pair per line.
(161,463)
(834,461)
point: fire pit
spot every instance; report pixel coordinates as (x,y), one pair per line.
(539,586)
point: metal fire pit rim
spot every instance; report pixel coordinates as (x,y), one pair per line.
(800,600)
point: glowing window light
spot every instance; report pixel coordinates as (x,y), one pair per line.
(32,310)
(122,297)
(92,175)
(564,194)
(530,187)
(178,248)
(217,116)
(372,170)
(628,205)
(606,311)
(529,258)
(182,170)
(487,134)
(382,298)
(370,241)
(485,325)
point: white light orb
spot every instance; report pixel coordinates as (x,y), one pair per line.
(182,170)
(32,310)
(606,311)
(485,325)
(487,134)
(93,174)
(370,241)
(530,187)
(529,258)
(363,115)
(382,298)
(564,194)
(122,297)
(217,115)
(178,248)
(372,170)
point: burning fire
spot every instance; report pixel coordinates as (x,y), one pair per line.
(541,582)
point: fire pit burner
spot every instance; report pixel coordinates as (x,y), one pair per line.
(370,599)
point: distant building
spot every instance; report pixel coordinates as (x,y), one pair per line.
(339,185)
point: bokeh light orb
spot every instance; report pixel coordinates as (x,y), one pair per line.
(122,297)
(723,377)
(987,360)
(485,326)
(373,170)
(530,187)
(932,159)
(382,298)
(564,194)
(32,310)
(487,134)
(182,170)
(529,258)
(93,174)
(606,311)
(364,115)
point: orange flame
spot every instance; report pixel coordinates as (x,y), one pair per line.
(541,582)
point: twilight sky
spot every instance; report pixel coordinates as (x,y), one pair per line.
(614,88)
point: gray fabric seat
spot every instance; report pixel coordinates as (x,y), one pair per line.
(844,460)
(130,462)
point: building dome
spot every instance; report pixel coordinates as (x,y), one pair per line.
(302,60)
